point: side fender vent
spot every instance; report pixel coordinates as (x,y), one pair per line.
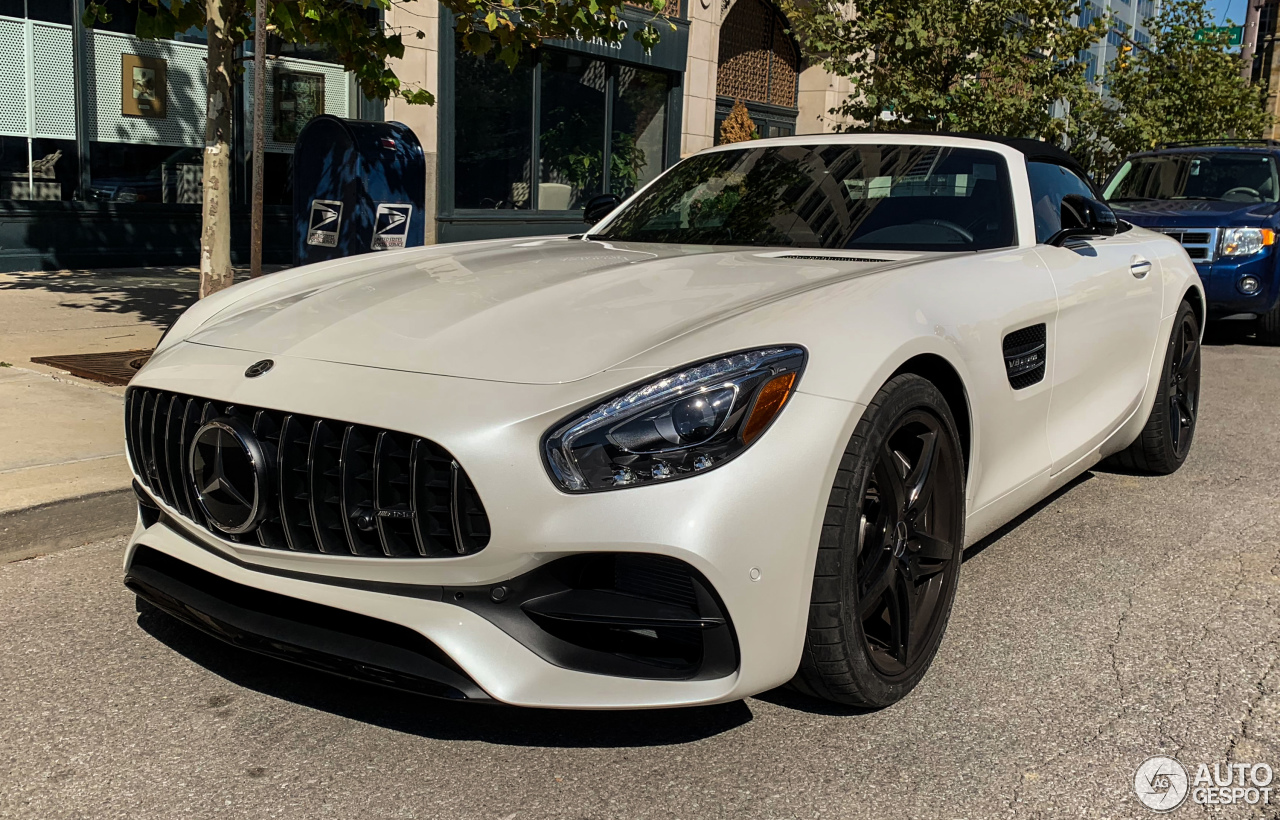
(1025,355)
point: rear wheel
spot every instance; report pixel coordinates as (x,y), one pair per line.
(889,557)
(1269,327)
(1165,441)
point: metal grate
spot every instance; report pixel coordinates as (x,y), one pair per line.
(52,81)
(13,79)
(108,368)
(340,489)
(757,60)
(185,84)
(1201,244)
(1025,356)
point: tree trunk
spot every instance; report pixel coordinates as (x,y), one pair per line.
(259,139)
(215,238)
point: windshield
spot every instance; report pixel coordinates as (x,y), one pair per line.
(1229,176)
(886,197)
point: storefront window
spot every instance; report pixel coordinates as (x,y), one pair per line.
(639,128)
(494,134)
(48,11)
(123,172)
(46,170)
(571,139)
(499,137)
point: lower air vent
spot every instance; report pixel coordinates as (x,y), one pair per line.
(1025,355)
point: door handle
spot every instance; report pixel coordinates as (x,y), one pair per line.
(1139,267)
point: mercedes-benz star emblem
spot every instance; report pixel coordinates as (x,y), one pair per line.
(230,475)
(258,368)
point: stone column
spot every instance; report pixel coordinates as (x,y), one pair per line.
(697,131)
(420,68)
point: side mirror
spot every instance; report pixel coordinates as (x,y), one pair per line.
(600,206)
(1082,216)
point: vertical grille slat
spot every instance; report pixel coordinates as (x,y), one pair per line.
(357,491)
(155,435)
(293,471)
(145,413)
(343,489)
(324,494)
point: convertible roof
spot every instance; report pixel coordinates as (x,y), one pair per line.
(1036,150)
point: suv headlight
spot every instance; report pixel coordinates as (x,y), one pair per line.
(680,424)
(1245,241)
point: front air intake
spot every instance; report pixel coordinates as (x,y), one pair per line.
(332,487)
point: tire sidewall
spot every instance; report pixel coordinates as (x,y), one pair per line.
(901,395)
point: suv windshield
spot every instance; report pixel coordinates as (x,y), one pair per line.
(1232,176)
(886,197)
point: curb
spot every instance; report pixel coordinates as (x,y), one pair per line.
(61,525)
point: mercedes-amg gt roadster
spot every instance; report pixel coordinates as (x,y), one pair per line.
(737,434)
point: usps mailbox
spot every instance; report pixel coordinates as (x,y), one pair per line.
(358,187)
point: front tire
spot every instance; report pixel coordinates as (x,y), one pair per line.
(1165,440)
(890,551)
(1269,327)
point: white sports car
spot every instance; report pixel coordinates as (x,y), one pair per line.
(737,434)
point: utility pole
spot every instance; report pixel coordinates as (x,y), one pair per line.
(259,139)
(1249,44)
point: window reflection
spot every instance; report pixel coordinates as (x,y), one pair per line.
(639,129)
(493,134)
(571,138)
(48,170)
(123,172)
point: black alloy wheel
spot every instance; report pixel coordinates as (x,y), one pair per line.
(1183,390)
(1165,440)
(889,558)
(907,547)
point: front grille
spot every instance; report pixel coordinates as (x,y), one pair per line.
(1201,244)
(340,489)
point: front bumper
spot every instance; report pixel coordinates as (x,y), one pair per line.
(1221,279)
(749,528)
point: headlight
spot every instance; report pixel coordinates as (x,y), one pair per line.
(1245,241)
(678,425)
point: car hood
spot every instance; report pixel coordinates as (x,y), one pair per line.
(1198,213)
(539,311)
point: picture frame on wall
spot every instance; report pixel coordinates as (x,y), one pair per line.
(299,96)
(143,87)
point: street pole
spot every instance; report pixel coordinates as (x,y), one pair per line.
(259,139)
(1249,42)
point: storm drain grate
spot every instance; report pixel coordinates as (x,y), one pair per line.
(108,368)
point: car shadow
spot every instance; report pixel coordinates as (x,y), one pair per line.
(977,547)
(442,719)
(1235,332)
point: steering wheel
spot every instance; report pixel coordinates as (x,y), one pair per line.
(1243,189)
(950,226)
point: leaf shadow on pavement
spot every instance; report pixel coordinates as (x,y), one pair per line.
(441,719)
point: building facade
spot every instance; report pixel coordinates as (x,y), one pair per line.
(1128,18)
(101,133)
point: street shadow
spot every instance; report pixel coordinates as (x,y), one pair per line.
(442,719)
(157,296)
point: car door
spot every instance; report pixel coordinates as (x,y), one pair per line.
(1109,303)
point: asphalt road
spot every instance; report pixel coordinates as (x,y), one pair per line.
(1127,617)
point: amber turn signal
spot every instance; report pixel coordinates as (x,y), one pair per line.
(772,396)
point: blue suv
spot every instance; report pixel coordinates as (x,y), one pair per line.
(1222,202)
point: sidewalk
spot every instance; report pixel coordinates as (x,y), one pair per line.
(63,476)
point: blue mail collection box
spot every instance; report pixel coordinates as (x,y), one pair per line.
(357,187)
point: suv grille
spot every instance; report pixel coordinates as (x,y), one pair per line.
(1201,244)
(343,489)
